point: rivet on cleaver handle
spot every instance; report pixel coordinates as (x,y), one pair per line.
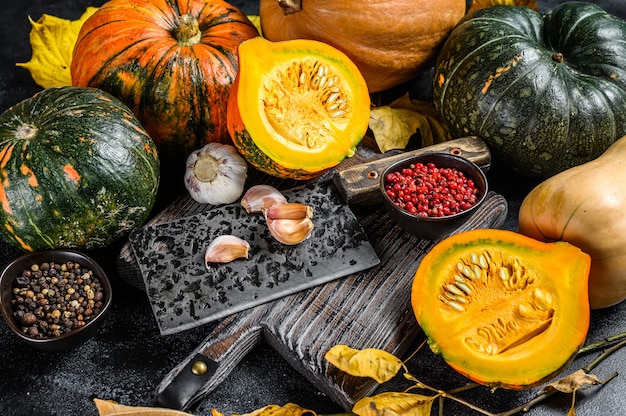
(359,184)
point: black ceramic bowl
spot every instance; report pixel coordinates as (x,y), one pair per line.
(76,336)
(433,228)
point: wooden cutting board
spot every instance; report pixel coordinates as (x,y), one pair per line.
(368,309)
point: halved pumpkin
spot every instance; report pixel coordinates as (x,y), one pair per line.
(503,309)
(297,108)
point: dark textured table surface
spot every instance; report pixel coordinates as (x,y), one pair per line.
(127,359)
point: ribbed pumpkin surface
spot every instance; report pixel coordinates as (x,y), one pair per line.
(546,92)
(76,170)
(172,62)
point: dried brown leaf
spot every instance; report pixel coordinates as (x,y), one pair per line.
(394,124)
(110,408)
(393,403)
(482,4)
(578,380)
(370,362)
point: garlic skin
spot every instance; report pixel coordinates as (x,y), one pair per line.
(289,223)
(260,197)
(290,231)
(215,174)
(226,248)
(289,211)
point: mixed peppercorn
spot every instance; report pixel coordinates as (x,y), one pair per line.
(429,191)
(51,299)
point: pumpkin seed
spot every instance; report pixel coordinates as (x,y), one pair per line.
(475,278)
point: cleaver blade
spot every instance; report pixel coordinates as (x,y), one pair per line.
(185,293)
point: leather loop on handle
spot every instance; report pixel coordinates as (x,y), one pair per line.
(212,361)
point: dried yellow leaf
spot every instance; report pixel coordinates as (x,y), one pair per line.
(482,4)
(289,409)
(256,21)
(394,124)
(110,408)
(52,41)
(370,362)
(392,403)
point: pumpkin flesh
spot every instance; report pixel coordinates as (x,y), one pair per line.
(390,42)
(171,62)
(546,92)
(297,108)
(584,206)
(501,308)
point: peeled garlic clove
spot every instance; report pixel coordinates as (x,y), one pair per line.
(290,231)
(289,211)
(226,248)
(260,197)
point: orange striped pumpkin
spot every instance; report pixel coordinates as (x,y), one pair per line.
(171,61)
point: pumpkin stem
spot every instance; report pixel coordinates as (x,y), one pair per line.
(26,132)
(557,57)
(205,168)
(188,31)
(290,6)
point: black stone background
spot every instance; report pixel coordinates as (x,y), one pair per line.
(127,359)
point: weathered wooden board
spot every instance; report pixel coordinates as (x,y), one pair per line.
(367,309)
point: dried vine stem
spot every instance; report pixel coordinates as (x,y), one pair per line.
(614,343)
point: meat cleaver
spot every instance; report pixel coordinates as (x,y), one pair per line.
(184,292)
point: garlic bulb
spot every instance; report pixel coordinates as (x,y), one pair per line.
(215,174)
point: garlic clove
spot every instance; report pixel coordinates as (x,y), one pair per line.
(290,231)
(260,197)
(289,210)
(226,248)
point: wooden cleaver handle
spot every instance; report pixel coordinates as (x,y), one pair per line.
(212,361)
(358,185)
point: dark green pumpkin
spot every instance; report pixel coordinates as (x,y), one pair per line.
(545,91)
(76,170)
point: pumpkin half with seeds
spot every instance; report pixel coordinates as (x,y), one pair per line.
(503,309)
(297,108)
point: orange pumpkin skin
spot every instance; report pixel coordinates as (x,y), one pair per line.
(390,42)
(175,80)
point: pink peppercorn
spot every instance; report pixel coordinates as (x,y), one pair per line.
(429,191)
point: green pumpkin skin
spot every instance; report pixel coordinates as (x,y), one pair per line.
(77,170)
(546,92)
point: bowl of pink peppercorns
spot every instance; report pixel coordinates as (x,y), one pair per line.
(430,195)
(54,300)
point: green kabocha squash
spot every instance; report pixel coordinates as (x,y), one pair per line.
(501,308)
(77,169)
(546,92)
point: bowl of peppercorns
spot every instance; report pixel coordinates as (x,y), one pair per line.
(54,300)
(430,195)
